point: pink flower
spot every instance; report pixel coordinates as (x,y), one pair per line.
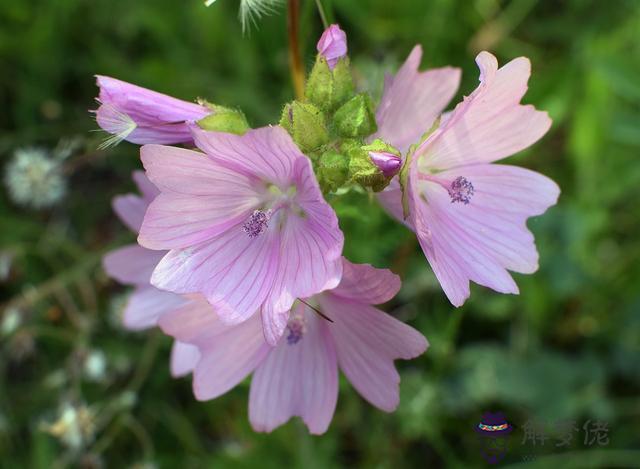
(133,265)
(332,45)
(141,116)
(299,376)
(245,225)
(470,215)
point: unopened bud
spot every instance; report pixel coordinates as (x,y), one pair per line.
(356,118)
(332,45)
(385,157)
(306,125)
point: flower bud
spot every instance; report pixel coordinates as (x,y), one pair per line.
(306,125)
(332,170)
(356,118)
(385,157)
(329,88)
(332,45)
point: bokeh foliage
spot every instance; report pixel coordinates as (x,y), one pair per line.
(568,347)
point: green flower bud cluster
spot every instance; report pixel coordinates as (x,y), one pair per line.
(330,126)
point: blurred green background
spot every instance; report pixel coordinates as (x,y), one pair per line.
(566,349)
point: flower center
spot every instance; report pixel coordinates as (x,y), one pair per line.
(257,223)
(296,328)
(460,189)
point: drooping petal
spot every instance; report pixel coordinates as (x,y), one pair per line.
(146,305)
(490,124)
(367,342)
(412,100)
(311,248)
(200,198)
(131,264)
(184,358)
(267,153)
(227,353)
(233,271)
(366,284)
(481,240)
(296,379)
(142,116)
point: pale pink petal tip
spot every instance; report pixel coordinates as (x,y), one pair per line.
(386,162)
(333,44)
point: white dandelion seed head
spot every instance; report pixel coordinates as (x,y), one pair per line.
(34,179)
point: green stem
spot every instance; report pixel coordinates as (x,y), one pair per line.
(323,16)
(295,60)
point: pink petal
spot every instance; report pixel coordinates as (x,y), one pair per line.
(146,305)
(146,187)
(296,380)
(310,253)
(267,153)
(130,209)
(366,284)
(158,118)
(490,124)
(233,271)
(481,240)
(184,358)
(131,264)
(412,100)
(391,200)
(227,353)
(367,341)
(200,198)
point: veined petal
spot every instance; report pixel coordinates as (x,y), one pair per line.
(480,240)
(297,379)
(267,153)
(234,272)
(200,198)
(367,342)
(412,100)
(490,124)
(366,284)
(227,353)
(311,248)
(184,358)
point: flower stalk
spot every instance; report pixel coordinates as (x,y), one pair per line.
(295,60)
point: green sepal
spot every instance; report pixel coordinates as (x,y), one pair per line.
(326,88)
(332,170)
(306,125)
(356,117)
(403,175)
(224,119)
